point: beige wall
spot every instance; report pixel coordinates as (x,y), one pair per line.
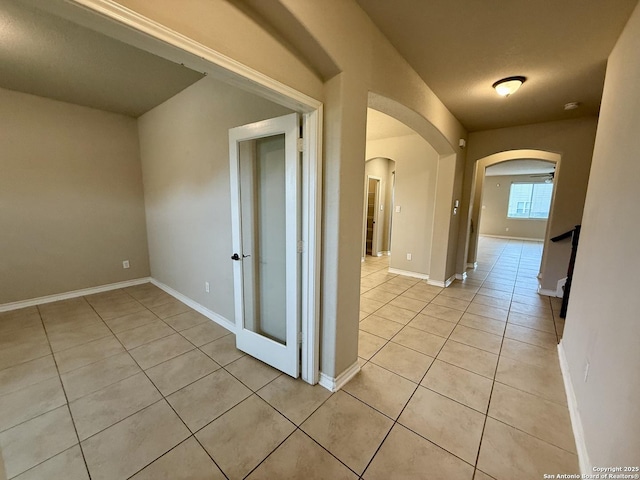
(380,168)
(495,203)
(415,194)
(71,201)
(573,140)
(184,146)
(368,63)
(602,325)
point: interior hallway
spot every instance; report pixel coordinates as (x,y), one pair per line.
(134,384)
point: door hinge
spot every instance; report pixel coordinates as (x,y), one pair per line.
(300,246)
(299,338)
(300,144)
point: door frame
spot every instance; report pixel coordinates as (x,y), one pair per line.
(121,23)
(376,215)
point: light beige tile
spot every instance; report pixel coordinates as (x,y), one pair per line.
(461,385)
(500,286)
(61,340)
(534,415)
(536,311)
(379,295)
(299,457)
(432,325)
(477,338)
(88,353)
(370,305)
(380,327)
(481,476)
(24,404)
(132,320)
(397,314)
(232,441)
(68,465)
(450,302)
(544,382)
(469,358)
(19,319)
(381,389)
(420,341)
(169,309)
(99,410)
(206,399)
(30,443)
(252,372)
(223,350)
(537,300)
(180,371)
(489,292)
(187,461)
(93,377)
(158,351)
(126,447)
(204,333)
(113,310)
(147,333)
(443,313)
(402,360)
(456,291)
(501,303)
(418,292)
(405,455)
(485,324)
(28,349)
(349,429)
(447,423)
(28,373)
(294,398)
(489,312)
(534,337)
(527,353)
(392,288)
(537,323)
(369,344)
(502,443)
(408,303)
(185,320)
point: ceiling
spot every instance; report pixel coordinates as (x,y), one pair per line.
(520,167)
(461,47)
(44,55)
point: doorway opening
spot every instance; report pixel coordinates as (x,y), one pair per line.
(372,221)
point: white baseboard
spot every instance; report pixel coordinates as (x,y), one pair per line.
(558,292)
(219,319)
(384,253)
(335,384)
(362,259)
(472,265)
(576,422)
(408,273)
(445,284)
(73,294)
(529,239)
(461,276)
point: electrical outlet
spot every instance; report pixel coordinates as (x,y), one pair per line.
(506,229)
(586,370)
(206,287)
(125,264)
(398,209)
(408,256)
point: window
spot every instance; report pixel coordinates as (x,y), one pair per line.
(530,200)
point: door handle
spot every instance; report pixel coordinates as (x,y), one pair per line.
(235,256)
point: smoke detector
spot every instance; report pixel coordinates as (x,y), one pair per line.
(571,105)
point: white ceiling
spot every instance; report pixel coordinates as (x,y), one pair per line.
(44,55)
(520,167)
(461,47)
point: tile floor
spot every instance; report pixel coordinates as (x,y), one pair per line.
(456,383)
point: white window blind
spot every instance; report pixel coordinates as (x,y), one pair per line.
(530,200)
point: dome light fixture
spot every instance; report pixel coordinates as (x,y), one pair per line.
(508,86)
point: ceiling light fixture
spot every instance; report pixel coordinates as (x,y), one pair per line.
(509,85)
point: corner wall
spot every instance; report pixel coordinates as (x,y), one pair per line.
(71,200)
(602,325)
(184,145)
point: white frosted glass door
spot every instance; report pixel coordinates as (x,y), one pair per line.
(265,184)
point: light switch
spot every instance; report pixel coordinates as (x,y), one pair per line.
(397,208)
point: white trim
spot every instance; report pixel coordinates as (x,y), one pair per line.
(384,253)
(558,292)
(514,238)
(444,284)
(576,422)
(72,294)
(219,319)
(472,265)
(461,276)
(408,273)
(335,384)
